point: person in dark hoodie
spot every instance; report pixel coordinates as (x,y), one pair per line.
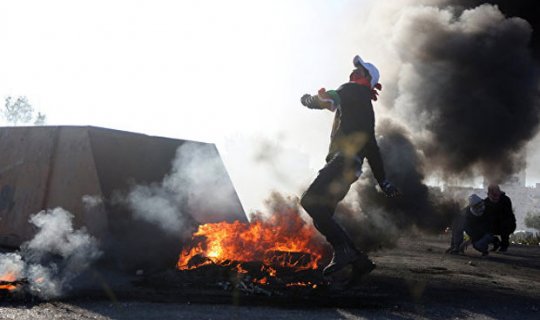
(478,225)
(352,140)
(499,209)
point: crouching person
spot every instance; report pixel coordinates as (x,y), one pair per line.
(475,224)
(478,225)
(499,209)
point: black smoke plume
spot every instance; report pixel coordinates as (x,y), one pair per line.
(467,99)
(473,83)
(469,85)
(384,220)
(525,9)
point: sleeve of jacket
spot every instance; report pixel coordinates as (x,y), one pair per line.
(508,215)
(322,100)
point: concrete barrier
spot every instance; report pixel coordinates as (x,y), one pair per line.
(57,166)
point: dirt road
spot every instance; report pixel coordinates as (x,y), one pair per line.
(415,280)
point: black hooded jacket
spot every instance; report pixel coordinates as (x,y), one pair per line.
(356,112)
(353,131)
(477,226)
(504,220)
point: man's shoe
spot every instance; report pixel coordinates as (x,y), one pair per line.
(389,189)
(343,256)
(496,244)
(464,246)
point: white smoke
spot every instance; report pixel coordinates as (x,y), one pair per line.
(196,187)
(91,202)
(157,205)
(260,165)
(56,255)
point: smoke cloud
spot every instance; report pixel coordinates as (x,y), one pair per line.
(462,101)
(382,220)
(157,205)
(54,257)
(469,85)
(196,188)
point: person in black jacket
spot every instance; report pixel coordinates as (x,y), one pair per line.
(352,140)
(476,224)
(499,208)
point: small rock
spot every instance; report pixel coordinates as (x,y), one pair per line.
(471,263)
(139,272)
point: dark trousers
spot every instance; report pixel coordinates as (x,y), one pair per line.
(505,241)
(458,225)
(325,192)
(331,186)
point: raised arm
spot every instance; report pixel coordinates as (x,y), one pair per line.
(323,100)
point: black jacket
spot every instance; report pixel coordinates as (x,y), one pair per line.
(477,226)
(504,220)
(353,131)
(356,111)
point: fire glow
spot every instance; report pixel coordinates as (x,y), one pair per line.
(283,240)
(7,281)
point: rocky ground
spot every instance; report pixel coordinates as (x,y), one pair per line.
(415,280)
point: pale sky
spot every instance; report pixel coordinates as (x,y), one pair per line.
(226,72)
(188,69)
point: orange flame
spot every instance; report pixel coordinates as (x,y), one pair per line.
(302,284)
(264,280)
(8,277)
(283,240)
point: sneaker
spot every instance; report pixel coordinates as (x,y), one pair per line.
(464,246)
(343,256)
(496,244)
(389,189)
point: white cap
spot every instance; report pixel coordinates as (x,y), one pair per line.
(373,71)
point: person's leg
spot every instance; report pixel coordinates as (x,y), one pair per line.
(482,244)
(457,234)
(505,242)
(320,201)
(496,243)
(321,198)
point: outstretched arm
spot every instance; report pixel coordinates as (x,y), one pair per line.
(323,100)
(311,102)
